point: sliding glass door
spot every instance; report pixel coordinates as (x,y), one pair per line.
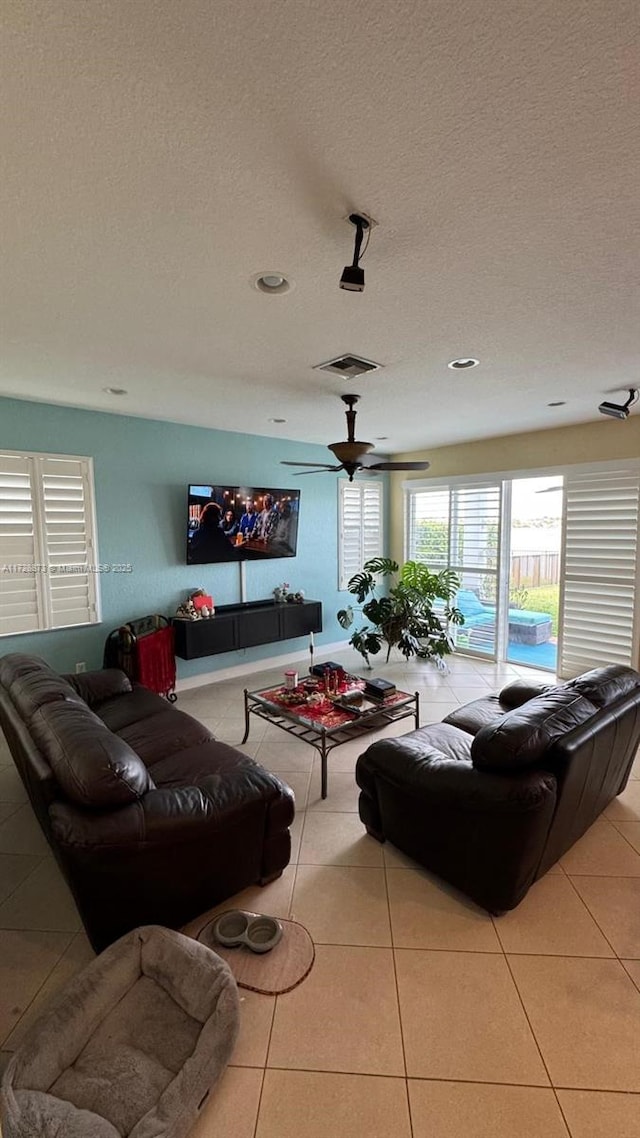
(535,541)
(547,564)
(459,526)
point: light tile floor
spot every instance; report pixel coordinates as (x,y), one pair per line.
(423,1016)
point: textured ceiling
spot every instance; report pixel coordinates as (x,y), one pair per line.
(159,153)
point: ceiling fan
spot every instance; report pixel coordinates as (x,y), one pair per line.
(351,452)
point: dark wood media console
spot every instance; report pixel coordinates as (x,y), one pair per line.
(245,626)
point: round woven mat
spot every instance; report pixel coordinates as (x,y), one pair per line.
(270,973)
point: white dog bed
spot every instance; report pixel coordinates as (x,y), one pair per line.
(130,1048)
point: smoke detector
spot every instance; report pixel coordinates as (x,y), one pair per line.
(348,367)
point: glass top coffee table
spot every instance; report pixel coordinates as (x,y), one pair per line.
(325,723)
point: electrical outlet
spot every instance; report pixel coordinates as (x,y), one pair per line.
(81,666)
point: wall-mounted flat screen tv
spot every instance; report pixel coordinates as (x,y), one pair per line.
(239,523)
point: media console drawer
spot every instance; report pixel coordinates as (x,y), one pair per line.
(245,626)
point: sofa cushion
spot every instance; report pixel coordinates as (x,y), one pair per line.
(164,735)
(528,616)
(17,664)
(95,687)
(94,767)
(29,693)
(604,685)
(449,741)
(518,692)
(523,735)
(122,711)
(480,712)
(31,683)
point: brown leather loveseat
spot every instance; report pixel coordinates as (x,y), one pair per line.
(493,796)
(151,819)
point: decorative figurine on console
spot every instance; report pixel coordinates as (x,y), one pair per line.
(187,611)
(198,606)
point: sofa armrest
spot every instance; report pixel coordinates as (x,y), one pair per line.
(162,816)
(95,687)
(451,783)
(485,833)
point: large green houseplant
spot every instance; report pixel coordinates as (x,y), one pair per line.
(403,615)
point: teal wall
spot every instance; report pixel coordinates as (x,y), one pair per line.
(141,469)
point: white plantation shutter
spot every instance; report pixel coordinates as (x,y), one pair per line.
(47,543)
(360,527)
(600,569)
(20,600)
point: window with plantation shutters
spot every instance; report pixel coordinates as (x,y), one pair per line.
(598,598)
(360,527)
(47,543)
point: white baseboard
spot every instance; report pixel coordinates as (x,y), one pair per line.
(236,670)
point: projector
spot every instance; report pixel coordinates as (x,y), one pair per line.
(615,410)
(352,278)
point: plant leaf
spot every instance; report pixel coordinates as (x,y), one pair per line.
(345,617)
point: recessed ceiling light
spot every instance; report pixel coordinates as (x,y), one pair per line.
(558,403)
(464,362)
(115,390)
(273,283)
(381,438)
(277,420)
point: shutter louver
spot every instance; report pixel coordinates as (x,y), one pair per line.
(67,542)
(20,603)
(600,570)
(360,527)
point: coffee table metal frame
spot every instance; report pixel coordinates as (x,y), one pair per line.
(325,739)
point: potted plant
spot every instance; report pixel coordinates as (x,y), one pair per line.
(403,616)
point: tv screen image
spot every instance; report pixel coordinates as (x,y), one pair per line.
(240,523)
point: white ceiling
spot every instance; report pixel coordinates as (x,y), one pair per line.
(159,153)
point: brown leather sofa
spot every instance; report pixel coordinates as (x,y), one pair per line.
(493,796)
(151,819)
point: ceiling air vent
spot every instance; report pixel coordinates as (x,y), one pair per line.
(348,367)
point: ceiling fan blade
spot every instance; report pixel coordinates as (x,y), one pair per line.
(284,462)
(398,466)
(321,470)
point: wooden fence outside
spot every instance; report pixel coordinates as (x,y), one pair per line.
(531,569)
